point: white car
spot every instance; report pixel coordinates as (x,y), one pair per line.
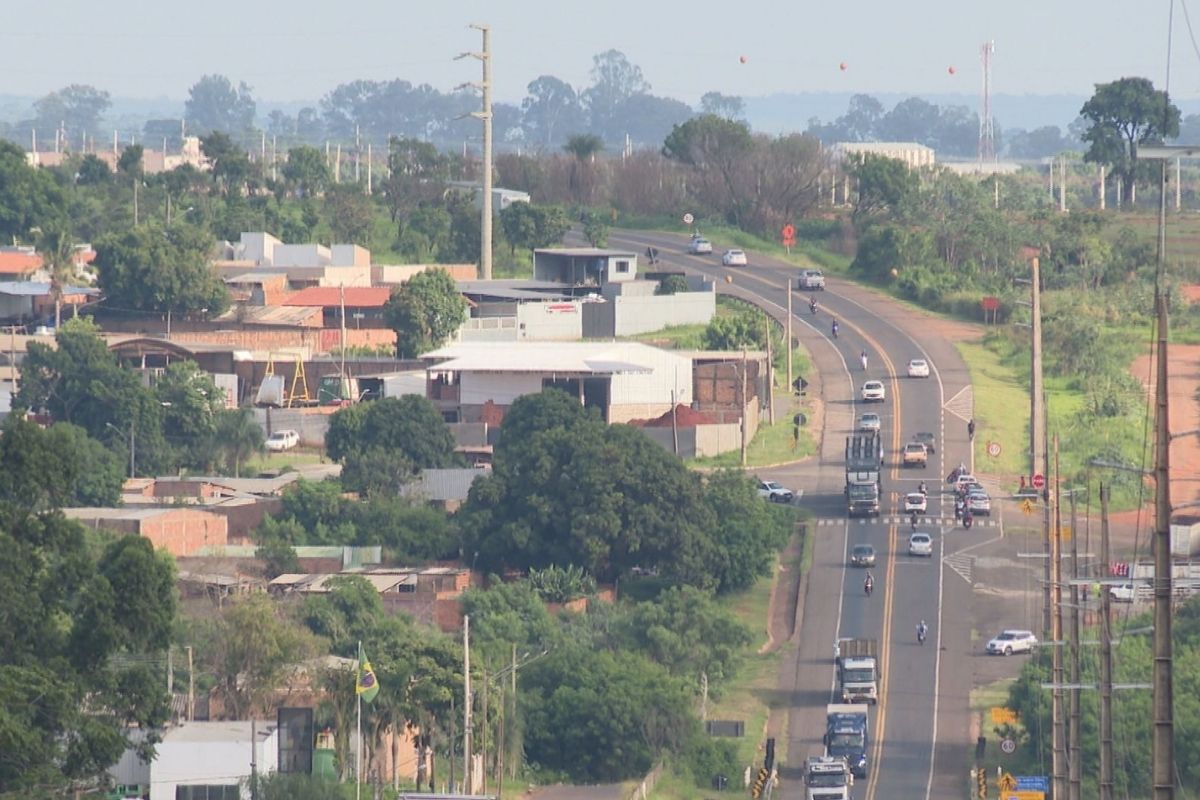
(700,246)
(979,502)
(963,483)
(918,368)
(1012,641)
(1122,593)
(734,258)
(914,501)
(775,492)
(869,422)
(920,544)
(812,279)
(873,392)
(282,440)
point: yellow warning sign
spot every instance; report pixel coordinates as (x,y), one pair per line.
(1064,533)
(1007,782)
(1003,716)
(1027,507)
(1025,795)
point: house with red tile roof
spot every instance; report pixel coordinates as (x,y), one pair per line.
(363,304)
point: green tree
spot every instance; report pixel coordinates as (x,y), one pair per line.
(130,162)
(722,105)
(93,171)
(231,167)
(576,491)
(306,171)
(57,466)
(551,108)
(54,676)
(191,403)
(76,108)
(350,213)
(215,104)
(1122,115)
(29,197)
(238,436)
(410,426)
(248,648)
(744,329)
(884,185)
(748,532)
(602,716)
(164,270)
(672,284)
(528,226)
(714,150)
(583,147)
(57,249)
(424,312)
(595,229)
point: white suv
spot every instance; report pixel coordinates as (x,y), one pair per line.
(282,440)
(1012,641)
(873,392)
(700,247)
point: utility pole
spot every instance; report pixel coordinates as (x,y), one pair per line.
(1164,689)
(467,704)
(1037,429)
(770,377)
(1106,688)
(787,289)
(1074,767)
(743,406)
(1059,722)
(485,114)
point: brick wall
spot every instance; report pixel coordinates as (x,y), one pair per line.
(183,532)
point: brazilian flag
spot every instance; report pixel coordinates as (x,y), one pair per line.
(366,685)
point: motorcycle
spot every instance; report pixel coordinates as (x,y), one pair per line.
(835,330)
(812,306)
(868,587)
(922,632)
(968,519)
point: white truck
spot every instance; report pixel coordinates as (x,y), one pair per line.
(812,280)
(858,670)
(827,778)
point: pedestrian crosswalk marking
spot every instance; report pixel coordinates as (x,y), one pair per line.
(922,522)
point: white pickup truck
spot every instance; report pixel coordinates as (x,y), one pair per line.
(812,280)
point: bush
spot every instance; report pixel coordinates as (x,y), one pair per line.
(707,757)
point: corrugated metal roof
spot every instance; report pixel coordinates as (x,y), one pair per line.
(585,252)
(272,315)
(356,296)
(40,289)
(598,358)
(441,485)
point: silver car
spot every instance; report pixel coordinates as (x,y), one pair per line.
(920,544)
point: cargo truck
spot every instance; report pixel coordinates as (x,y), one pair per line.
(827,778)
(864,465)
(846,735)
(858,670)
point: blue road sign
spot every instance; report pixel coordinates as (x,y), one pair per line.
(1033,783)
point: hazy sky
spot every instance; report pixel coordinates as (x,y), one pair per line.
(300,49)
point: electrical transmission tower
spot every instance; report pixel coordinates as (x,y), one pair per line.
(987,132)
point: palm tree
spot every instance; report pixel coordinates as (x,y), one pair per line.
(584,146)
(57,249)
(240,436)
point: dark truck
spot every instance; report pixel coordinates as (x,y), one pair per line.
(864,466)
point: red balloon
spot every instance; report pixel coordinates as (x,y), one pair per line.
(951,70)
(743,59)
(842,66)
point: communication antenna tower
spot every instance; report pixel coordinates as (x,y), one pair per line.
(987,133)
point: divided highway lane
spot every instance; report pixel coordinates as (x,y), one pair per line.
(920,699)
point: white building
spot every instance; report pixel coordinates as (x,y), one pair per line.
(913,154)
(303,264)
(478,381)
(203,761)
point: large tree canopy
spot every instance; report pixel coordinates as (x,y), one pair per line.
(215,104)
(1124,114)
(424,312)
(160,269)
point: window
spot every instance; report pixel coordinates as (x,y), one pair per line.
(622,267)
(207,793)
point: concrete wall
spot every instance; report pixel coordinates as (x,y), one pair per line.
(502,389)
(669,372)
(182,763)
(310,426)
(599,320)
(488,329)
(552,321)
(634,315)
(393,274)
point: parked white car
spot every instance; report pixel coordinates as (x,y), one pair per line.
(700,246)
(920,544)
(1012,641)
(918,368)
(282,440)
(873,392)
(734,258)
(1122,593)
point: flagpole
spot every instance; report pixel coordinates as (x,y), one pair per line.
(358,755)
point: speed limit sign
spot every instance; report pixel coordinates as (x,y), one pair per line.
(993,449)
(688,219)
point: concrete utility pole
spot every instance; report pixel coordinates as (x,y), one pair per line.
(1037,430)
(1106,687)
(485,233)
(1074,752)
(787,288)
(743,406)
(467,705)
(1058,753)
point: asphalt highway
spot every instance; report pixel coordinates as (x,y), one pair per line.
(920,744)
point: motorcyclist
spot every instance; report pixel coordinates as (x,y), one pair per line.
(812,305)
(923,489)
(913,520)
(968,517)
(835,328)
(922,631)
(869,584)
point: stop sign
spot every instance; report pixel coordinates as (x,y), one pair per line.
(1039,481)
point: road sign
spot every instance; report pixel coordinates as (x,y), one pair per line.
(1019,795)
(1027,507)
(789,242)
(993,449)
(688,219)
(1033,783)
(1003,716)
(789,231)
(1008,747)
(1007,783)
(1039,481)
(990,303)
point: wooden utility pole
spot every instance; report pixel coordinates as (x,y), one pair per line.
(1106,728)
(1056,628)
(787,290)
